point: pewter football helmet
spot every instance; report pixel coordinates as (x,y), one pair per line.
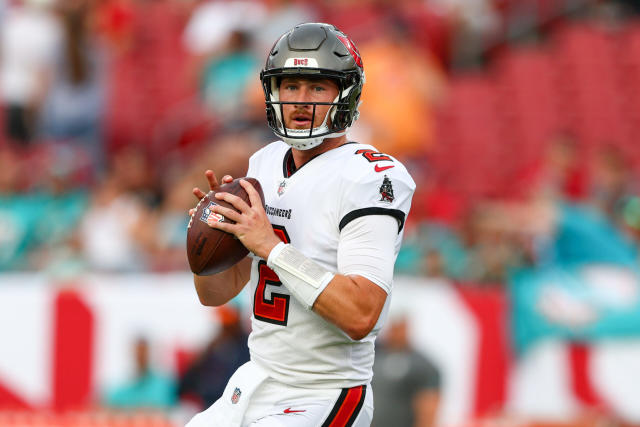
(321,50)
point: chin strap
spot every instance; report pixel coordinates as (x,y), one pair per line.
(308,143)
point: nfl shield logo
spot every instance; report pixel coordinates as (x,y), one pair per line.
(236,396)
(281,187)
(208,216)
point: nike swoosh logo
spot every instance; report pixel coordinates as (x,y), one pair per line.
(384,168)
(291,411)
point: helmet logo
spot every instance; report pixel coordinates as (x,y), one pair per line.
(301,62)
(353,50)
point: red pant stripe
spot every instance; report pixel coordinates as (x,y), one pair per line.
(347,407)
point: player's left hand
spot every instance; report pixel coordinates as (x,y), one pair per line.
(213,183)
(252,227)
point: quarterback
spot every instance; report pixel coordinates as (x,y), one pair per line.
(322,249)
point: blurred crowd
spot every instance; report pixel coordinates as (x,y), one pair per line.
(577,210)
(111,110)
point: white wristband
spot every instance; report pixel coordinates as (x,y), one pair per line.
(303,277)
(274,253)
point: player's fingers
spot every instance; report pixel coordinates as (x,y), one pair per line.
(236,201)
(227,179)
(254,196)
(198,193)
(228,213)
(224,226)
(211,178)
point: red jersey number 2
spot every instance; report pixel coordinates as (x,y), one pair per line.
(275,309)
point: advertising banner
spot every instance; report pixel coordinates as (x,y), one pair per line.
(579,304)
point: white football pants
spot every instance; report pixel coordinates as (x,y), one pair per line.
(252,399)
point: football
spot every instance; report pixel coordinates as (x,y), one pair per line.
(210,250)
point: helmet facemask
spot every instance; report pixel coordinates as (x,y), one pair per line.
(304,139)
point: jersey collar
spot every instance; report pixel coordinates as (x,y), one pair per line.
(289,166)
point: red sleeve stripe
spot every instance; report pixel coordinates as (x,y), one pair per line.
(347,408)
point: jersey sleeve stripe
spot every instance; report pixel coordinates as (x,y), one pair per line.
(347,407)
(396,213)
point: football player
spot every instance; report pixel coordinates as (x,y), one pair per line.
(322,249)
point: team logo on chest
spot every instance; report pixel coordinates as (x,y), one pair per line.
(281,187)
(386,190)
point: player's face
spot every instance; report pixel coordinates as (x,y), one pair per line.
(303,89)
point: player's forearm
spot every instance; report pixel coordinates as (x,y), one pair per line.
(219,288)
(352,303)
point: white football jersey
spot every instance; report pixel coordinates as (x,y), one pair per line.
(309,209)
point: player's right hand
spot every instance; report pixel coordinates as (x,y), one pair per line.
(213,182)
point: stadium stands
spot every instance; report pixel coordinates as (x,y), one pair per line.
(584,81)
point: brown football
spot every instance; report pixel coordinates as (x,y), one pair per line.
(210,250)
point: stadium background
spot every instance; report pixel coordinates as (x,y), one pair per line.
(519,120)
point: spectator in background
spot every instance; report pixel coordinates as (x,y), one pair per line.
(565,223)
(224,78)
(490,245)
(18,212)
(483,249)
(40,212)
(115,233)
(170,226)
(213,21)
(62,201)
(629,214)
(583,235)
(74,104)
(433,265)
(433,249)
(28,36)
(594,231)
(406,384)
(475,27)
(205,379)
(561,173)
(148,389)
(612,181)
(401,124)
